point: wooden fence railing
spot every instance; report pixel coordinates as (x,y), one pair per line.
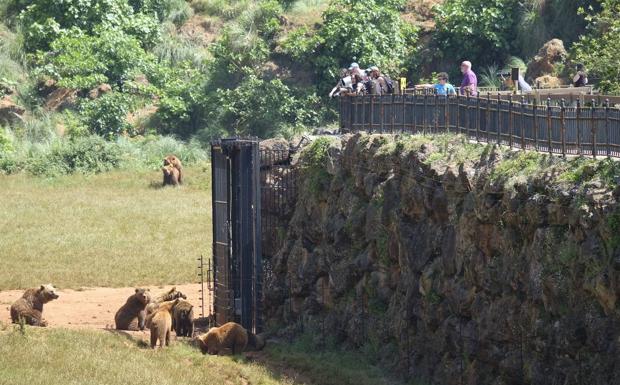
(556,127)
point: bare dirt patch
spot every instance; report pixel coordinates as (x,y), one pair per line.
(94,308)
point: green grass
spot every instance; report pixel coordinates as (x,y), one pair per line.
(330,366)
(115,229)
(64,357)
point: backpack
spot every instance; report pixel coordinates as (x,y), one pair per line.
(388,84)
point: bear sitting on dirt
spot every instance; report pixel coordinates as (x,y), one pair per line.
(230,338)
(160,323)
(132,315)
(183,319)
(175,163)
(29,307)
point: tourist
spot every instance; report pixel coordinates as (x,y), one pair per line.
(469,85)
(443,87)
(581,78)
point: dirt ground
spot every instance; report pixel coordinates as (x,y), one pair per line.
(94,308)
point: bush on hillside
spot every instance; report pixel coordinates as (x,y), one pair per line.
(599,50)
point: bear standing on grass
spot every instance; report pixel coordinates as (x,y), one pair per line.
(132,315)
(230,338)
(29,307)
(172,170)
(183,319)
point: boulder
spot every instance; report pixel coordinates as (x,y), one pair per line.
(60,99)
(100,90)
(9,111)
(550,54)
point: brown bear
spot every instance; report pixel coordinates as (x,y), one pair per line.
(160,323)
(171,176)
(29,307)
(183,319)
(132,315)
(230,338)
(170,295)
(175,162)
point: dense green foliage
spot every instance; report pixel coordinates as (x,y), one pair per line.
(203,69)
(370,32)
(599,51)
(477,30)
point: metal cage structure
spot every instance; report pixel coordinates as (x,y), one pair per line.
(237,258)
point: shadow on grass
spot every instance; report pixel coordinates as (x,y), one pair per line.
(142,344)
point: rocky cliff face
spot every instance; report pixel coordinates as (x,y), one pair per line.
(454,263)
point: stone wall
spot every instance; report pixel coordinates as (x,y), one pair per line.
(449,270)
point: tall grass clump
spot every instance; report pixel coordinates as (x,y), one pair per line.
(92,154)
(174,49)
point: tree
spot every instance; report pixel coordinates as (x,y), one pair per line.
(481,31)
(599,49)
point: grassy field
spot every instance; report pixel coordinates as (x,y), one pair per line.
(64,357)
(114,229)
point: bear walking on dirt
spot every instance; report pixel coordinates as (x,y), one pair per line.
(174,169)
(230,338)
(160,323)
(132,315)
(29,307)
(183,319)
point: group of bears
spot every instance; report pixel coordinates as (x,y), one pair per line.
(169,311)
(172,170)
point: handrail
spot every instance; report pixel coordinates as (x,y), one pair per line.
(588,126)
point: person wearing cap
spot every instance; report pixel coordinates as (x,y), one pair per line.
(469,85)
(379,85)
(354,69)
(443,87)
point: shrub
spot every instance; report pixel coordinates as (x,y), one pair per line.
(599,50)
(82,61)
(107,115)
(263,108)
(370,32)
(477,30)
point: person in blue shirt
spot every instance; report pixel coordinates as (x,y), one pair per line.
(443,87)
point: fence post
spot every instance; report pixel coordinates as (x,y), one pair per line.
(415,105)
(349,102)
(458,114)
(404,96)
(607,126)
(372,112)
(563,124)
(549,125)
(593,128)
(488,117)
(510,121)
(499,120)
(382,113)
(522,121)
(436,113)
(578,115)
(424,113)
(478,118)
(535,114)
(446,113)
(393,114)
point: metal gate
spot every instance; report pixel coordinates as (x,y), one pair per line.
(237,260)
